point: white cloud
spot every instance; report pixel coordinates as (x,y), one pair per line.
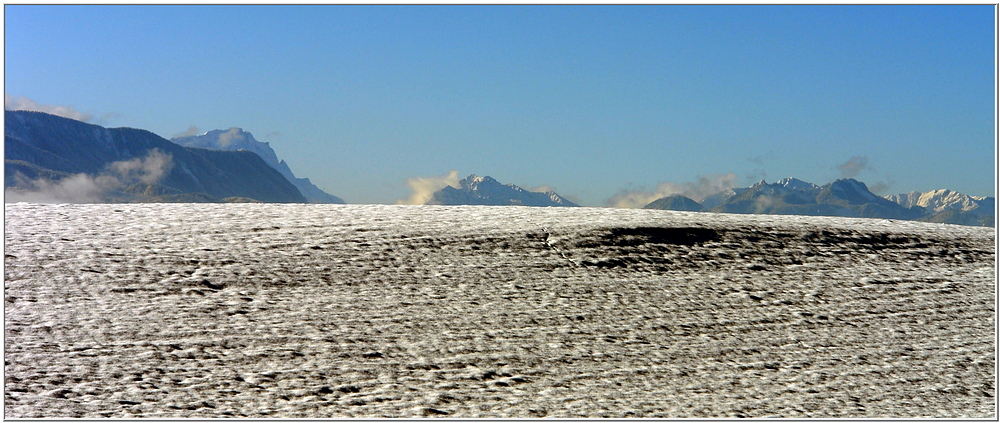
(697,191)
(230,136)
(23,103)
(79,188)
(191,131)
(147,170)
(83,188)
(424,188)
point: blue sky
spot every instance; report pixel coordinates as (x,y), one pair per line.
(597,102)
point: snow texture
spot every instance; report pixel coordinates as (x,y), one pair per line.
(312,311)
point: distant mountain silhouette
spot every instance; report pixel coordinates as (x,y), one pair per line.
(235,139)
(844,197)
(675,202)
(484,190)
(127,164)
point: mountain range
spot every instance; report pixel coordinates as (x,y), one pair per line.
(484,190)
(844,197)
(48,156)
(235,139)
(51,158)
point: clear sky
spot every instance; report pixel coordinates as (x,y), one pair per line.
(593,101)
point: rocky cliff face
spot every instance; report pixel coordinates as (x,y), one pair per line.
(235,139)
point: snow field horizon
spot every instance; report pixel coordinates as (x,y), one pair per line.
(312,311)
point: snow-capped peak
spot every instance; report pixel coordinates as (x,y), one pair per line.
(946,199)
(484,190)
(792,183)
(906,200)
(473,181)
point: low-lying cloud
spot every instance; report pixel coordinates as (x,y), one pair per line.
(147,170)
(424,188)
(697,191)
(84,188)
(79,188)
(23,103)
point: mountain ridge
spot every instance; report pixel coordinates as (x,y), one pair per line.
(44,151)
(843,197)
(235,139)
(484,190)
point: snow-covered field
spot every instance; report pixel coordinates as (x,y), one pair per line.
(264,310)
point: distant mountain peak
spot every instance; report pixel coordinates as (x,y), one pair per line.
(853,191)
(473,181)
(792,183)
(484,190)
(235,139)
(675,202)
(942,200)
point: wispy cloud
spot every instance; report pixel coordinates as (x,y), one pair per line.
(83,188)
(23,103)
(697,191)
(230,136)
(424,188)
(760,163)
(79,188)
(540,188)
(191,131)
(147,170)
(883,187)
(853,166)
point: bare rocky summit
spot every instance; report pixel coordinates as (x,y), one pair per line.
(312,311)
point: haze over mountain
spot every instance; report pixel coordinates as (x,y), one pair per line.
(844,197)
(484,190)
(235,139)
(54,159)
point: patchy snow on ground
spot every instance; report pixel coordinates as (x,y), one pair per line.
(313,311)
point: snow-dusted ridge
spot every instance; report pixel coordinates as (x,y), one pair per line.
(234,139)
(940,200)
(369,311)
(486,191)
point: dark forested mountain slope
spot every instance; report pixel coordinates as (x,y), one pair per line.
(128,164)
(235,139)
